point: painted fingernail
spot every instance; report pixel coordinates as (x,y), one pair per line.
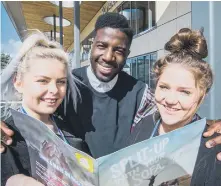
(210,144)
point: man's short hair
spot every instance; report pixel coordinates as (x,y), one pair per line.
(114,20)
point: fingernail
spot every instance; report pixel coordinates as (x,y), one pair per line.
(218,131)
(219,156)
(2,149)
(8,142)
(205,134)
(210,144)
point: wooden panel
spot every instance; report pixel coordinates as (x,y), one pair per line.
(35,11)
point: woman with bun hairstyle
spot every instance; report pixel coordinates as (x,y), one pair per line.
(183,79)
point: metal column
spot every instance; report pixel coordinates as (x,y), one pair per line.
(76,61)
(61,22)
(54,17)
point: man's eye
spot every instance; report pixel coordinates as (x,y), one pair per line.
(120,52)
(100,46)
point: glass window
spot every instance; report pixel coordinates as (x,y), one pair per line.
(86,46)
(127,67)
(134,67)
(153,58)
(141,68)
(152,14)
(134,17)
(147,68)
(126,11)
(141,15)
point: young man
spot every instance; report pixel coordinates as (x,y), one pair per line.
(110,98)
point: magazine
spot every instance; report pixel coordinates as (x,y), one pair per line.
(164,160)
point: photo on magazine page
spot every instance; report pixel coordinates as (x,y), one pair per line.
(166,160)
(54,162)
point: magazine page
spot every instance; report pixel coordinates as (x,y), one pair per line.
(54,162)
(165,160)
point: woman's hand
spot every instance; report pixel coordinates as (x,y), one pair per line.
(6,135)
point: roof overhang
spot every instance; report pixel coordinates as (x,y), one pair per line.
(29,15)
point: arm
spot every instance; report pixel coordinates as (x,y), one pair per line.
(6,135)
(214,127)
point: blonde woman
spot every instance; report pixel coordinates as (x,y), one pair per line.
(38,78)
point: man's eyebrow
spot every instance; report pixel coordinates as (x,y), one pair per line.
(102,42)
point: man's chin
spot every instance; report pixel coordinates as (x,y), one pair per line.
(104,78)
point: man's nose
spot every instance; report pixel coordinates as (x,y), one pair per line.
(108,55)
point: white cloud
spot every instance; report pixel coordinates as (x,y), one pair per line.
(11,47)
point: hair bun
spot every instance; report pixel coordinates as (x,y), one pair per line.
(189,42)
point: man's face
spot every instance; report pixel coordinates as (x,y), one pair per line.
(109,53)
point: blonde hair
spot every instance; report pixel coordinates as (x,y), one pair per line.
(36,45)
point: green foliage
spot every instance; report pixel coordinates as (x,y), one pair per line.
(5,59)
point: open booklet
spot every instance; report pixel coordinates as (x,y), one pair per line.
(165,160)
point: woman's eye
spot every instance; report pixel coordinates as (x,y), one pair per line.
(163,87)
(42,81)
(185,92)
(62,82)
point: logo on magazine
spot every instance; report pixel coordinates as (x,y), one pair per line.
(85,162)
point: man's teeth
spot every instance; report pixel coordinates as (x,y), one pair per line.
(105,67)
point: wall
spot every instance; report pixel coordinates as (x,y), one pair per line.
(208,14)
(170,17)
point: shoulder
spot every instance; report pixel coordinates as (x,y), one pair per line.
(128,79)
(142,130)
(80,73)
(130,84)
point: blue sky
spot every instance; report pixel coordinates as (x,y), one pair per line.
(10,41)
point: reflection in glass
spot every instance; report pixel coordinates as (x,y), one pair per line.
(141,15)
(141,68)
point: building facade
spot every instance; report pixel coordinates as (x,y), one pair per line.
(153,23)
